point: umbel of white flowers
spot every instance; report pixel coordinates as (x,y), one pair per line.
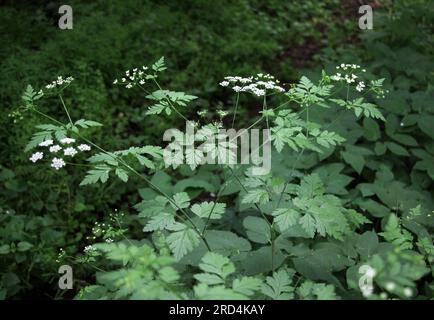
(350,74)
(68,151)
(133,77)
(258,85)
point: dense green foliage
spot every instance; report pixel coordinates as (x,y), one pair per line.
(351,181)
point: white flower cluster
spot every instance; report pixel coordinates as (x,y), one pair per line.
(258,85)
(89,248)
(350,74)
(36,156)
(56,162)
(133,77)
(59,82)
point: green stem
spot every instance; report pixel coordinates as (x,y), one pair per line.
(66,109)
(236,108)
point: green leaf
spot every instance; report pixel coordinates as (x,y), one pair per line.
(394,233)
(367,244)
(24,246)
(87,123)
(257,229)
(159,65)
(356,161)
(311,186)
(181,200)
(183,241)
(425,123)
(278,286)
(4,249)
(260,196)
(259,261)
(285,217)
(309,225)
(209,209)
(397,149)
(162,221)
(100,173)
(371,129)
(246,285)
(213,263)
(122,174)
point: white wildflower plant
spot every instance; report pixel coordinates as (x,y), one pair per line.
(181,220)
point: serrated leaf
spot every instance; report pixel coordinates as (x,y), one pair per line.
(260,196)
(162,221)
(309,224)
(246,285)
(100,173)
(278,286)
(121,174)
(285,217)
(209,209)
(214,263)
(182,201)
(182,242)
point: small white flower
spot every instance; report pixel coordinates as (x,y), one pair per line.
(55,148)
(57,163)
(142,82)
(67,140)
(336,77)
(70,152)
(109,240)
(237,88)
(116,81)
(390,286)
(89,248)
(259,92)
(408,292)
(46,143)
(83,147)
(224,83)
(360,86)
(36,156)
